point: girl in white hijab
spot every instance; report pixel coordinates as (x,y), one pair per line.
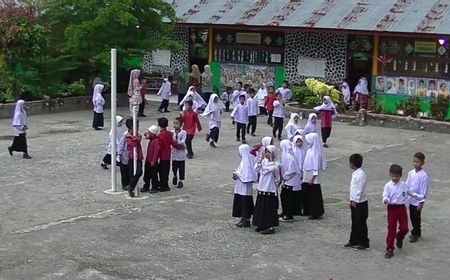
(244,175)
(311,125)
(292,126)
(98,101)
(261,95)
(327,112)
(20,126)
(213,112)
(120,130)
(291,174)
(196,99)
(134,89)
(258,150)
(362,92)
(265,216)
(314,162)
(299,148)
(346,93)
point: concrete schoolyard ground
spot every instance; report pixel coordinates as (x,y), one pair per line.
(57,223)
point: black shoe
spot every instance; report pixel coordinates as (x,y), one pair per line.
(253,134)
(243,224)
(142,115)
(180,185)
(10,151)
(153,191)
(314,218)
(166,111)
(239,224)
(26,156)
(212,145)
(286,219)
(144,190)
(399,243)
(164,189)
(159,110)
(131,193)
(362,247)
(244,141)
(104,166)
(97,128)
(413,238)
(389,254)
(279,138)
(238,139)
(189,156)
(208,137)
(325,145)
(268,231)
(125,188)
(350,245)
(258,229)
(175,181)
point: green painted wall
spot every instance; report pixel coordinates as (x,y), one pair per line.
(279,76)
(215,70)
(388,102)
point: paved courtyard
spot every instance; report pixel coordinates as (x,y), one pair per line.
(57,222)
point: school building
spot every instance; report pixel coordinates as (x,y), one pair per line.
(401,46)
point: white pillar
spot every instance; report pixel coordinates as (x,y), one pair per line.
(135,157)
(113,119)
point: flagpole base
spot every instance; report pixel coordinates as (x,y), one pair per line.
(114,192)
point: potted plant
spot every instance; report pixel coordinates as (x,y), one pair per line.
(439,108)
(409,107)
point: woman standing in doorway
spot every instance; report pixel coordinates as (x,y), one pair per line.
(195,77)
(207,79)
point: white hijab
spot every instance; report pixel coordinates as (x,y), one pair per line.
(20,116)
(310,127)
(213,106)
(329,106)
(196,97)
(97,96)
(299,153)
(286,150)
(291,121)
(361,87)
(315,157)
(245,171)
(119,129)
(346,92)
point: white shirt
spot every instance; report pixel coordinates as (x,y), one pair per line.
(165,91)
(98,104)
(358,186)
(122,148)
(243,188)
(290,131)
(308,174)
(261,96)
(252,104)
(240,113)
(180,138)
(235,96)
(418,182)
(269,172)
(285,93)
(278,109)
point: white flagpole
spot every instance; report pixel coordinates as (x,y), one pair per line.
(113,119)
(135,109)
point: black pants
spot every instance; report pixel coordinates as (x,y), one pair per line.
(20,143)
(125,175)
(278,126)
(252,120)
(315,200)
(262,110)
(358,235)
(150,176)
(107,159)
(227,106)
(164,105)
(416,220)
(141,108)
(270,119)
(214,134)
(188,143)
(134,178)
(179,169)
(240,129)
(326,132)
(287,201)
(98,120)
(163,172)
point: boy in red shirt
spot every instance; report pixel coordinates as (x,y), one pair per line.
(271,96)
(191,122)
(133,141)
(151,162)
(166,142)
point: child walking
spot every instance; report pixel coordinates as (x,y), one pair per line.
(244,175)
(359,207)
(237,93)
(265,216)
(190,124)
(213,112)
(299,149)
(314,162)
(20,127)
(292,126)
(132,142)
(286,93)
(151,161)
(291,175)
(252,104)
(178,155)
(98,101)
(395,196)
(418,181)
(261,95)
(311,125)
(226,98)
(165,91)
(239,116)
(327,113)
(119,133)
(271,97)
(278,114)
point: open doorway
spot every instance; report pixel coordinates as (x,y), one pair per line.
(360,58)
(198,47)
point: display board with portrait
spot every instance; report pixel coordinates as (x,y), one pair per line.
(412,86)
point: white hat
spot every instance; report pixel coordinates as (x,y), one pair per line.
(153,129)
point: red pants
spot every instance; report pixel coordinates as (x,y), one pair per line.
(396,213)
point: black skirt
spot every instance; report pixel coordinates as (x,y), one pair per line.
(20,143)
(315,200)
(98,120)
(242,206)
(265,214)
(291,201)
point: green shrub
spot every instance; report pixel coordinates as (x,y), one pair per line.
(409,106)
(6,95)
(76,88)
(439,108)
(300,93)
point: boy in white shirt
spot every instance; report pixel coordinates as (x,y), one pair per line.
(418,181)
(278,114)
(239,117)
(178,156)
(252,104)
(286,93)
(395,196)
(359,206)
(237,94)
(226,98)
(165,92)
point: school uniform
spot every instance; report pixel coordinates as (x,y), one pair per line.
(301,208)
(327,113)
(261,95)
(151,171)
(310,127)
(265,214)
(166,141)
(98,101)
(362,93)
(292,127)
(291,175)
(314,162)
(134,177)
(278,114)
(244,175)
(198,101)
(286,93)
(252,104)
(165,91)
(235,96)
(258,151)
(226,98)
(271,97)
(213,113)
(359,212)
(240,117)
(124,159)
(20,126)
(418,182)
(190,124)
(119,133)
(179,156)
